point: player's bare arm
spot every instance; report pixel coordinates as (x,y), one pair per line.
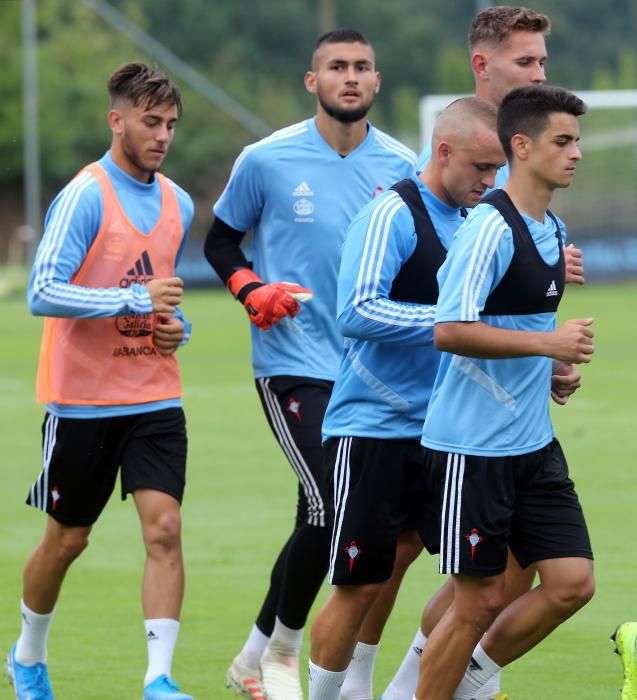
(572,342)
(165,293)
(168,333)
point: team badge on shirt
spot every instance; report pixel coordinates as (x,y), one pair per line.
(303,207)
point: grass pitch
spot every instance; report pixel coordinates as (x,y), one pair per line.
(238,510)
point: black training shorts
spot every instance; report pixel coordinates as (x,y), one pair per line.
(81,458)
(381,489)
(526,502)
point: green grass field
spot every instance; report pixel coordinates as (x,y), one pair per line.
(239,508)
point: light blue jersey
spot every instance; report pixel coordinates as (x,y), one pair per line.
(501,177)
(387,372)
(298,196)
(70,227)
(490,407)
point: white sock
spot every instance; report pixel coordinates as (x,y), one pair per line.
(405,680)
(161,638)
(254,647)
(490,688)
(360,672)
(325,685)
(480,670)
(285,640)
(31,645)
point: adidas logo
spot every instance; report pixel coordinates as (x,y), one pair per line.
(417,650)
(142,266)
(151,636)
(140,273)
(552,290)
(303,190)
(474,665)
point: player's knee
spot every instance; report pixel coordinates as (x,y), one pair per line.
(164,532)
(572,594)
(360,596)
(481,606)
(489,606)
(71,543)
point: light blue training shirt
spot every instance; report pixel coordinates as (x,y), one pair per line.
(490,407)
(386,376)
(298,195)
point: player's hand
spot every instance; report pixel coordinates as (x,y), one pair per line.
(573,264)
(572,342)
(168,333)
(565,381)
(165,293)
(266,304)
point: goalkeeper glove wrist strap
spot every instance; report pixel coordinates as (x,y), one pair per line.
(242,282)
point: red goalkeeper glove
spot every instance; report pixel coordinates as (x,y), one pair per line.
(266,304)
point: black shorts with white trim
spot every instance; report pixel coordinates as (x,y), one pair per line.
(526,502)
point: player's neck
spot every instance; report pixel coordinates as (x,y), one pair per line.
(430,177)
(343,138)
(484,92)
(530,196)
(124,163)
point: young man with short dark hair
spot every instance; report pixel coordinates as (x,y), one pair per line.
(104,278)
(502,477)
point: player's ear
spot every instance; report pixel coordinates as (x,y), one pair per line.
(479,63)
(520,145)
(378,81)
(310,81)
(443,149)
(115,121)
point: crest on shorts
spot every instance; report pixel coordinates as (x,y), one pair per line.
(294,407)
(353,550)
(55,496)
(474,538)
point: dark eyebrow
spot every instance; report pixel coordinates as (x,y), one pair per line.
(343,62)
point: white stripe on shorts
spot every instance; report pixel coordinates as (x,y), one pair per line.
(450,521)
(341,491)
(316,515)
(40,489)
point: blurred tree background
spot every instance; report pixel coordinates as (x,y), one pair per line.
(257,52)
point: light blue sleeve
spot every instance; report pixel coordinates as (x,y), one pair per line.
(187,211)
(380,239)
(478,258)
(71,225)
(242,200)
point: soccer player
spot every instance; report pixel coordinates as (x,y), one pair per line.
(387,292)
(502,476)
(297,190)
(507,49)
(104,277)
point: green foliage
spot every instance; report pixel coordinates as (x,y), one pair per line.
(257,52)
(11,142)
